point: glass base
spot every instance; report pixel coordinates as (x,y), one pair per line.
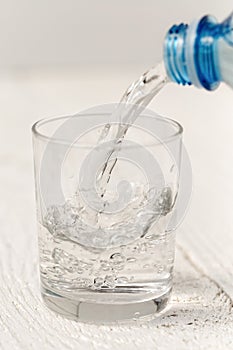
(90,312)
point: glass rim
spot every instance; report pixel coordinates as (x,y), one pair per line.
(43,136)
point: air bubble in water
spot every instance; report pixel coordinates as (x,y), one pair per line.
(98,282)
(117,258)
(105,265)
(110,281)
(146,266)
(122,280)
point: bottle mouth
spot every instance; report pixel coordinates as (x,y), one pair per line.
(191,53)
(174,54)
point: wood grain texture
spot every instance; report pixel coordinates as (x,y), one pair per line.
(200,314)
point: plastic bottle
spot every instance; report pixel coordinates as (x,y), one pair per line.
(200,53)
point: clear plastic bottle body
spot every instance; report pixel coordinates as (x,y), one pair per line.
(200,53)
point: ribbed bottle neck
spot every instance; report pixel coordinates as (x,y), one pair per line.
(174,54)
(191,53)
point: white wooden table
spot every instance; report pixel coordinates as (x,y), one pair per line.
(201,311)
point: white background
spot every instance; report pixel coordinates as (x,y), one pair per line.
(93,31)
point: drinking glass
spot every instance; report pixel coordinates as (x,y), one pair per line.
(106,213)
